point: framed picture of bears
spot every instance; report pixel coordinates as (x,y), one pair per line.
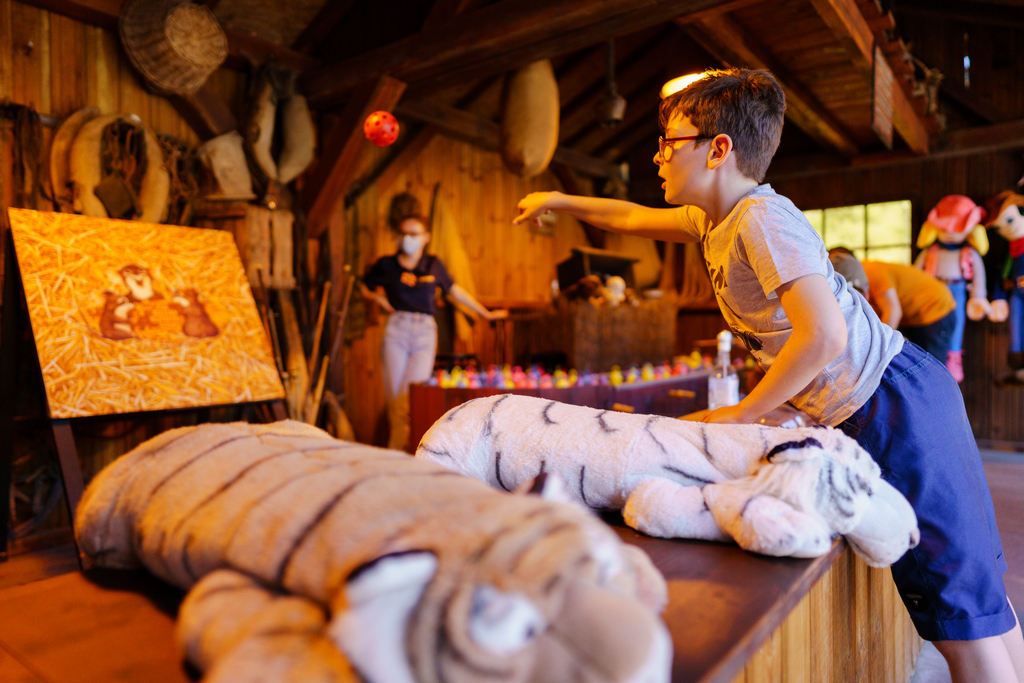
(134,317)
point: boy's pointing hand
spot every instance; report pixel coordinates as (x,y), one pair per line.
(533,206)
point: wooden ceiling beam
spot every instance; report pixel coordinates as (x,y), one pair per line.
(965,11)
(730,6)
(323,24)
(998,137)
(242,47)
(977,104)
(205,112)
(443,10)
(643,105)
(731,42)
(468,127)
(493,40)
(579,116)
(644,134)
(848,25)
(588,72)
(328,181)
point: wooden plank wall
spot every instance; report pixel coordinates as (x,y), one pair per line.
(510,264)
(996,413)
(851,626)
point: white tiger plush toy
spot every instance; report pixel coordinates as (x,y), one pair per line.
(783,492)
(313,560)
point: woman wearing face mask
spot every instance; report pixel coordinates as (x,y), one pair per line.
(408,279)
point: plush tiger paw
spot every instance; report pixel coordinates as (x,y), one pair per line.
(665,509)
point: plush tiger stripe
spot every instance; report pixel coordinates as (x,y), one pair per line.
(288,514)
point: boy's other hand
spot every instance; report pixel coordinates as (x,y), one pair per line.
(728,415)
(533,206)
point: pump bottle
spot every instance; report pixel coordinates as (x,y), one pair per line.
(723,383)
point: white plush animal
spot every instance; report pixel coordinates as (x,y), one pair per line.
(784,492)
(313,560)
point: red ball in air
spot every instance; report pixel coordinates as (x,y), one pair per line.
(381,128)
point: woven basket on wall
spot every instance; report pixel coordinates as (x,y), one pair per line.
(174,44)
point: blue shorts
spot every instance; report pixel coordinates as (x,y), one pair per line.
(916,428)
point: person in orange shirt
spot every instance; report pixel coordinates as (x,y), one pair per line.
(905,298)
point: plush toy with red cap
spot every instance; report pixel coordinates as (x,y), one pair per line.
(952,242)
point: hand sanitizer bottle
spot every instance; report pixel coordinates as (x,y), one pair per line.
(724,383)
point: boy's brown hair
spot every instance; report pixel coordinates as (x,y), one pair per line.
(748,105)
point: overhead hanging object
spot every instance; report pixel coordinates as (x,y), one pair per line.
(227,173)
(279,113)
(529,119)
(118,171)
(611,107)
(60,157)
(174,44)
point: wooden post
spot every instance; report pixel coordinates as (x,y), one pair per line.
(8,369)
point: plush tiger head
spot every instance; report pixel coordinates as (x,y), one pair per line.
(419,574)
(809,491)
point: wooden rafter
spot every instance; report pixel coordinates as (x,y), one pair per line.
(848,25)
(205,112)
(966,11)
(642,106)
(976,103)
(322,24)
(963,142)
(443,10)
(468,127)
(242,47)
(728,40)
(585,74)
(328,181)
(643,132)
(577,117)
(492,40)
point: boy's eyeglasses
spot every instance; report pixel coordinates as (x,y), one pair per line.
(665,152)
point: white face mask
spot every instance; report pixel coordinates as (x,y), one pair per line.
(412,244)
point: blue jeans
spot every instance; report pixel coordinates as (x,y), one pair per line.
(410,343)
(916,428)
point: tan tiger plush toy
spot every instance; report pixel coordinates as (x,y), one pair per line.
(310,559)
(783,492)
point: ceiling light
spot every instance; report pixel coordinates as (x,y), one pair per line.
(677,84)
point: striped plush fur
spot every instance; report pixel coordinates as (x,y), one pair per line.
(785,492)
(311,559)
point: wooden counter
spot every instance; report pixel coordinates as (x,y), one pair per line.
(734,616)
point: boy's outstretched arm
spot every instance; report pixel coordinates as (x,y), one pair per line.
(819,336)
(613,215)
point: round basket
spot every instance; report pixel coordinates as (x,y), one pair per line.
(174,44)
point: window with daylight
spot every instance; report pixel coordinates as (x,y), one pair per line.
(874,232)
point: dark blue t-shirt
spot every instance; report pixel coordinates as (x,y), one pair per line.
(409,290)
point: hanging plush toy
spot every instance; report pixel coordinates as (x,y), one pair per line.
(1006,215)
(952,243)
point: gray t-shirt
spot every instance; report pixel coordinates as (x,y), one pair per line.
(763,243)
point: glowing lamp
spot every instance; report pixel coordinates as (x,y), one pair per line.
(677,84)
(381,128)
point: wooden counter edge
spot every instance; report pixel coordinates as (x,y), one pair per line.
(743,650)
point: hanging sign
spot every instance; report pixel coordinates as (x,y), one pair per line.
(881,106)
